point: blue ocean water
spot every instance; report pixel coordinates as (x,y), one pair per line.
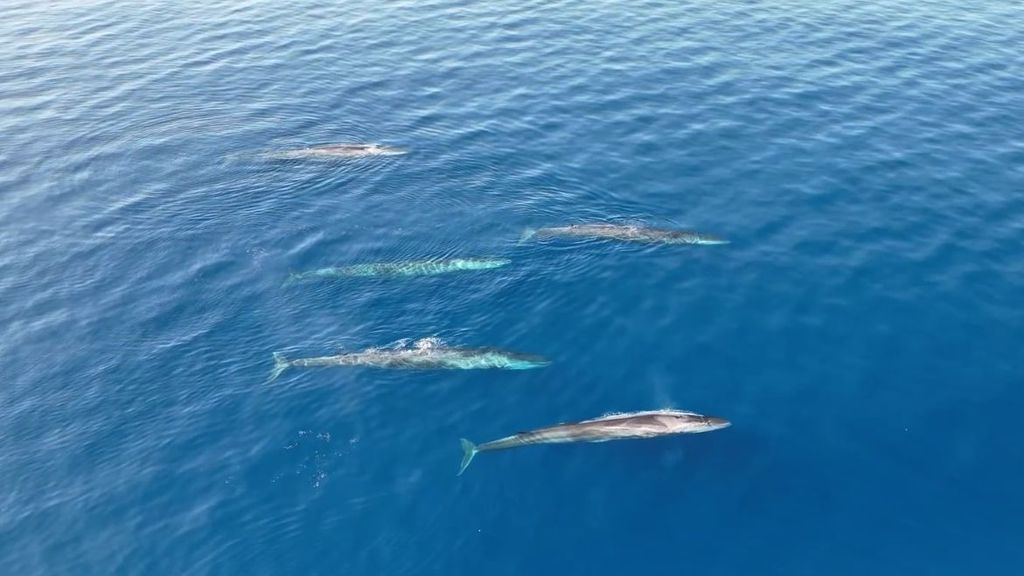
(863,330)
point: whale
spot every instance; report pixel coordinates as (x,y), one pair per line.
(335,151)
(399,269)
(425,354)
(626,233)
(623,426)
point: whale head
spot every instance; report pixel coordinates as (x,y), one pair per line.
(382,150)
(505,360)
(690,423)
(517,361)
(706,240)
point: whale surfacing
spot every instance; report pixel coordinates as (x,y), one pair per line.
(425,354)
(335,151)
(633,425)
(626,233)
(400,269)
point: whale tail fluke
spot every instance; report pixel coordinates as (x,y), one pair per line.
(469,450)
(527,234)
(280,365)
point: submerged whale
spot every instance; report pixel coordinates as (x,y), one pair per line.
(612,427)
(425,354)
(398,269)
(625,232)
(330,151)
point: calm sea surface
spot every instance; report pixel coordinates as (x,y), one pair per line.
(864,331)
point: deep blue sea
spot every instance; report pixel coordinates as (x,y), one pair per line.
(863,331)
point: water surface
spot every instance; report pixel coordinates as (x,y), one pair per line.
(863,330)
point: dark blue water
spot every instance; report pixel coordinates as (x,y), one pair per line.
(863,331)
